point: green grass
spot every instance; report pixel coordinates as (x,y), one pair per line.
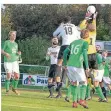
(37,101)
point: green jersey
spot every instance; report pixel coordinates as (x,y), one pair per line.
(100,61)
(78,54)
(106,67)
(11,48)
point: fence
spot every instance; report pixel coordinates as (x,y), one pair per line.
(30,75)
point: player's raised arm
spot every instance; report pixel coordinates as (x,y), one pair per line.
(57,32)
(83,24)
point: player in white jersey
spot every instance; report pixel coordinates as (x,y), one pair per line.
(52,53)
(68,32)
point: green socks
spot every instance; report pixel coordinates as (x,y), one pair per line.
(15,83)
(99,91)
(78,93)
(82,92)
(88,90)
(68,91)
(74,90)
(7,85)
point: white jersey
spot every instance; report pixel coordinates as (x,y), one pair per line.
(53,52)
(68,32)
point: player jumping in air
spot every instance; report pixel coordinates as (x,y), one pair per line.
(68,32)
(74,66)
(89,23)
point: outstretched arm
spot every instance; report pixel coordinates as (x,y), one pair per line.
(57,32)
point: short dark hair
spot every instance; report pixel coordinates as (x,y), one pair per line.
(67,19)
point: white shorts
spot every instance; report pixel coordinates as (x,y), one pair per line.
(76,74)
(106,80)
(11,67)
(99,75)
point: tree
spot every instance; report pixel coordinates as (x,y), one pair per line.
(6,24)
(40,19)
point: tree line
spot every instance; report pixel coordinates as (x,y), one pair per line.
(35,24)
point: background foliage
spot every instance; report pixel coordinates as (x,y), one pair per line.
(35,24)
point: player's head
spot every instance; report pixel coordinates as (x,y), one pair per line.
(91,27)
(54,41)
(98,49)
(12,35)
(67,19)
(105,53)
(84,33)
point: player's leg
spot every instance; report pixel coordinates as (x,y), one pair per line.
(103,89)
(107,82)
(12,80)
(50,80)
(64,72)
(59,63)
(58,89)
(68,92)
(74,91)
(50,87)
(78,93)
(81,77)
(64,75)
(8,69)
(61,72)
(62,79)
(88,89)
(58,74)
(73,86)
(97,79)
(91,61)
(16,77)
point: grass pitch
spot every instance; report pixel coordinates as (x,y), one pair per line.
(38,101)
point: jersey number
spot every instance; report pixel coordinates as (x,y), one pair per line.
(75,49)
(68,30)
(91,41)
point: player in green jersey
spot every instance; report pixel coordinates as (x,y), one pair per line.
(74,66)
(98,75)
(11,53)
(106,80)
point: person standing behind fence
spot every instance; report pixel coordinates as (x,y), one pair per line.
(11,53)
(52,54)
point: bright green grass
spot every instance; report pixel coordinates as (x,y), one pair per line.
(37,101)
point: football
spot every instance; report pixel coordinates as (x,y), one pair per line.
(91,9)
